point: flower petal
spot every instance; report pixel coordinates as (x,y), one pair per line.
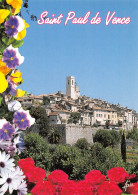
(3,14)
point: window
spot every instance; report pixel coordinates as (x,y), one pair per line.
(104,115)
(112,116)
(72,82)
(97,115)
(68,82)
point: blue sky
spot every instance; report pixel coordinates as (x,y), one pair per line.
(102,58)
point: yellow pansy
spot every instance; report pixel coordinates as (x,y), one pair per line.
(3,83)
(22,34)
(3,68)
(19,93)
(15,3)
(15,11)
(16,77)
(3,14)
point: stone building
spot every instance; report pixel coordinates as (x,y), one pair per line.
(72,89)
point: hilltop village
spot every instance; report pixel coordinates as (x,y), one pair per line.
(92,112)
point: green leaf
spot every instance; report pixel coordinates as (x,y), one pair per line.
(2,47)
(1,99)
(6,40)
(0,57)
(16,43)
(2,112)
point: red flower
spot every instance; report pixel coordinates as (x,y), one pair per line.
(132,176)
(132,189)
(117,174)
(95,177)
(109,188)
(76,188)
(43,188)
(26,164)
(57,177)
(35,174)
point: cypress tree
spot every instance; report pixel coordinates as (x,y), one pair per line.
(123,147)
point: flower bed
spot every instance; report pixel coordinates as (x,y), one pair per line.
(24,177)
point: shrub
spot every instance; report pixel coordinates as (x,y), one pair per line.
(82,143)
(64,157)
(37,149)
(103,159)
(41,117)
(74,117)
(54,136)
(107,137)
(104,137)
(133,134)
(81,167)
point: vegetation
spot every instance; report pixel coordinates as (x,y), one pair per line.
(41,117)
(46,100)
(74,117)
(76,160)
(107,137)
(37,149)
(82,143)
(54,136)
(123,147)
(133,134)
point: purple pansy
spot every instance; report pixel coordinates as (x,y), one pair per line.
(11,88)
(21,120)
(12,57)
(6,131)
(11,26)
(9,57)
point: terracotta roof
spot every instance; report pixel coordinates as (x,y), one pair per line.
(104,109)
(53,113)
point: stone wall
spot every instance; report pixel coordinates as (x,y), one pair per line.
(75,132)
(70,133)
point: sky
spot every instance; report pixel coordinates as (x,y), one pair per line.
(103,59)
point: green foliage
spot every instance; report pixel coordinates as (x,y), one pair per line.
(133,134)
(46,100)
(82,143)
(41,117)
(37,149)
(17,43)
(104,137)
(107,137)
(54,136)
(115,137)
(104,158)
(4,112)
(64,158)
(123,147)
(74,117)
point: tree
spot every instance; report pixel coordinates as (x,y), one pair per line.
(133,134)
(107,137)
(37,148)
(82,143)
(115,137)
(104,137)
(123,147)
(54,136)
(42,119)
(74,117)
(46,100)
